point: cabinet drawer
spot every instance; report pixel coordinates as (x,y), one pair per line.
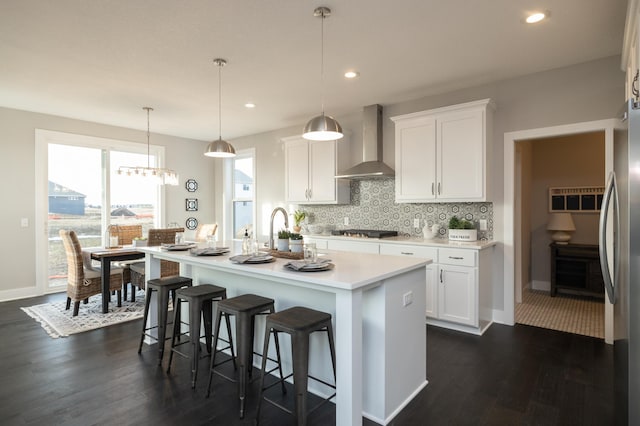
(458,257)
(408,250)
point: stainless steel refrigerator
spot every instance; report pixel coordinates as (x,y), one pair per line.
(620,262)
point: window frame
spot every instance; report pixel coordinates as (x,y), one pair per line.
(229,192)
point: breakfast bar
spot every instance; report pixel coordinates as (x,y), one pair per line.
(377,303)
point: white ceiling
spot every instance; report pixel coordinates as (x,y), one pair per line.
(103,60)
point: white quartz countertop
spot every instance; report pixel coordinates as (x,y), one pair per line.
(436,242)
(352,270)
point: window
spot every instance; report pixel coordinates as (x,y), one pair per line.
(76,192)
(243,190)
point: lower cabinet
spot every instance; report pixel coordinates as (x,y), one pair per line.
(458,285)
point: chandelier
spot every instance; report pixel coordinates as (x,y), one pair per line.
(158,175)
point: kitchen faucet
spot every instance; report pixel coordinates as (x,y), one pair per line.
(273,215)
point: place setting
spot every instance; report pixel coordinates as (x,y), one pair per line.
(252,258)
(209,251)
(311,263)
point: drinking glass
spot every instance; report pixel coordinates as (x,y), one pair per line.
(179,237)
(310,252)
(211,241)
(255,247)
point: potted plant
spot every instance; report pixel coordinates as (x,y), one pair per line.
(283,240)
(462,230)
(295,242)
(298,217)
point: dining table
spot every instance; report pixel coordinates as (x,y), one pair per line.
(106,255)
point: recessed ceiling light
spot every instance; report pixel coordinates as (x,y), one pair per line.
(250,105)
(352,74)
(536,17)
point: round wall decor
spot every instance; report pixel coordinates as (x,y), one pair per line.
(191,223)
(191,185)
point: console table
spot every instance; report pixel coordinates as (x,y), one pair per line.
(575,269)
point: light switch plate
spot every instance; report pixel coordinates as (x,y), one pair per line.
(483,224)
(346,221)
(24,222)
(416,223)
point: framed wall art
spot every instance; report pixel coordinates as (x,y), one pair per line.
(191,204)
(577,199)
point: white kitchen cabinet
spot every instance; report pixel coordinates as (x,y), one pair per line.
(310,167)
(443,154)
(358,246)
(458,285)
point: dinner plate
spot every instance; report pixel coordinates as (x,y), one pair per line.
(209,251)
(312,268)
(258,259)
(177,247)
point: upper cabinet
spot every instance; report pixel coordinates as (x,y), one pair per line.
(310,167)
(442,154)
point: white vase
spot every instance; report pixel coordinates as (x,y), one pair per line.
(283,244)
(296,246)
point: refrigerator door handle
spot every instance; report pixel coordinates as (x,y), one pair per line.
(610,195)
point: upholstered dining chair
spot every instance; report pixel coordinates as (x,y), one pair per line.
(126,234)
(156,237)
(204,230)
(82,280)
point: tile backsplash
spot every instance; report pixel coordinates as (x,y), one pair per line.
(373,206)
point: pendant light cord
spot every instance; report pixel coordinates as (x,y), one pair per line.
(220,65)
(322,61)
(148,136)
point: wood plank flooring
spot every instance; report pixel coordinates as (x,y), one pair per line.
(510,376)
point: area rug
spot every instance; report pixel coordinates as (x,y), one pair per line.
(563,313)
(59,322)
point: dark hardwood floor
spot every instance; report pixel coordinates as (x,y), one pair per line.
(510,376)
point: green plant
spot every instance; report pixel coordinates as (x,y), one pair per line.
(455,223)
(299,216)
(294,236)
(283,234)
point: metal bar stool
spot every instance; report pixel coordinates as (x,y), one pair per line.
(244,308)
(163,286)
(200,298)
(299,323)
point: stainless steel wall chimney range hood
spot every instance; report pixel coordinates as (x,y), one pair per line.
(372,166)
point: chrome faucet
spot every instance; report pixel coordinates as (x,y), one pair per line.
(273,215)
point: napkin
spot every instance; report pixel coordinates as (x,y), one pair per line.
(243,258)
(301,264)
(209,250)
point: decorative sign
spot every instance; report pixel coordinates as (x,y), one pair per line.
(191,223)
(579,199)
(191,204)
(191,185)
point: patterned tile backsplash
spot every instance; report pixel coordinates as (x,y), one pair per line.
(373,206)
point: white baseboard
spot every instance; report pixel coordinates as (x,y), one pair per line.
(18,293)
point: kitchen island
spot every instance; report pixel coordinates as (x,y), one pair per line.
(377,303)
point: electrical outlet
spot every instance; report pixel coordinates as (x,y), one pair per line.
(483,224)
(416,223)
(346,221)
(407,298)
(24,222)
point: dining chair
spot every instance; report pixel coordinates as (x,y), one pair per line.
(204,230)
(83,281)
(126,234)
(156,237)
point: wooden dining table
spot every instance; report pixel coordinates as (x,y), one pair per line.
(106,256)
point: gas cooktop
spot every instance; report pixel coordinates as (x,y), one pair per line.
(364,233)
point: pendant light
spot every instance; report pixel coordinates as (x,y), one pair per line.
(322,127)
(220,148)
(157,174)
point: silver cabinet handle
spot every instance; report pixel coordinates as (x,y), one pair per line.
(456,257)
(439,188)
(433,188)
(310,193)
(408,253)
(441,280)
(610,194)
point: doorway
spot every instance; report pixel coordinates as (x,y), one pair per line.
(512,226)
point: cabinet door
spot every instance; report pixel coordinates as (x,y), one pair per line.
(461,156)
(416,160)
(354,246)
(457,298)
(322,169)
(432,291)
(296,151)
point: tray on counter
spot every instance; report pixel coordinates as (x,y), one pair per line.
(286,254)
